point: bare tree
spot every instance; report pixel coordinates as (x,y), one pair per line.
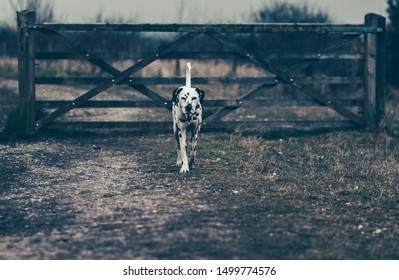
(278,11)
(393,15)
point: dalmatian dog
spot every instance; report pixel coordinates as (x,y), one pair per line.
(187,117)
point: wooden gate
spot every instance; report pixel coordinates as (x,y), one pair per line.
(364,48)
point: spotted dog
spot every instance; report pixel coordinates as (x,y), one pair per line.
(187,116)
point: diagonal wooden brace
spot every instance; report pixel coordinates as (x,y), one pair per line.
(103,65)
(286,78)
(163,51)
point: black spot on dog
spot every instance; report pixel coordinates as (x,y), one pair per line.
(201,94)
(175,94)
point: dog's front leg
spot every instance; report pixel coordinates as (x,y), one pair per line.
(193,152)
(183,151)
(177,133)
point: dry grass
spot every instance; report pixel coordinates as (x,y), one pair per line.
(8,68)
(335,161)
(340,185)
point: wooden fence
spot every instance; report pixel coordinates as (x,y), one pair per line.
(365,112)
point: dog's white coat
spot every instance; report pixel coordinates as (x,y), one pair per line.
(187,116)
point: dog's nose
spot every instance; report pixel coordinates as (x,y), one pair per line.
(189,107)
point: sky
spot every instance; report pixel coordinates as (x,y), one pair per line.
(195,11)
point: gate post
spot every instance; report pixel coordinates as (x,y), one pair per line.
(26,71)
(374,72)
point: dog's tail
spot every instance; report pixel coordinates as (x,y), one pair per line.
(188,74)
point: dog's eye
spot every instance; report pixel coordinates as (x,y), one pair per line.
(183,98)
(194,98)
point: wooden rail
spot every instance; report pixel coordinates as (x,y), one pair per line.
(218,28)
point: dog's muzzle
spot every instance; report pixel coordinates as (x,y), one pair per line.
(188,108)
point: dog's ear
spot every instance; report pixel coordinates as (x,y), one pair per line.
(201,94)
(176,93)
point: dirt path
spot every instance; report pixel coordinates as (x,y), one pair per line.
(107,198)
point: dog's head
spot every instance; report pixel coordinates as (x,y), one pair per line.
(188,98)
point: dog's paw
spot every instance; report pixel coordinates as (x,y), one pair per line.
(192,165)
(184,169)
